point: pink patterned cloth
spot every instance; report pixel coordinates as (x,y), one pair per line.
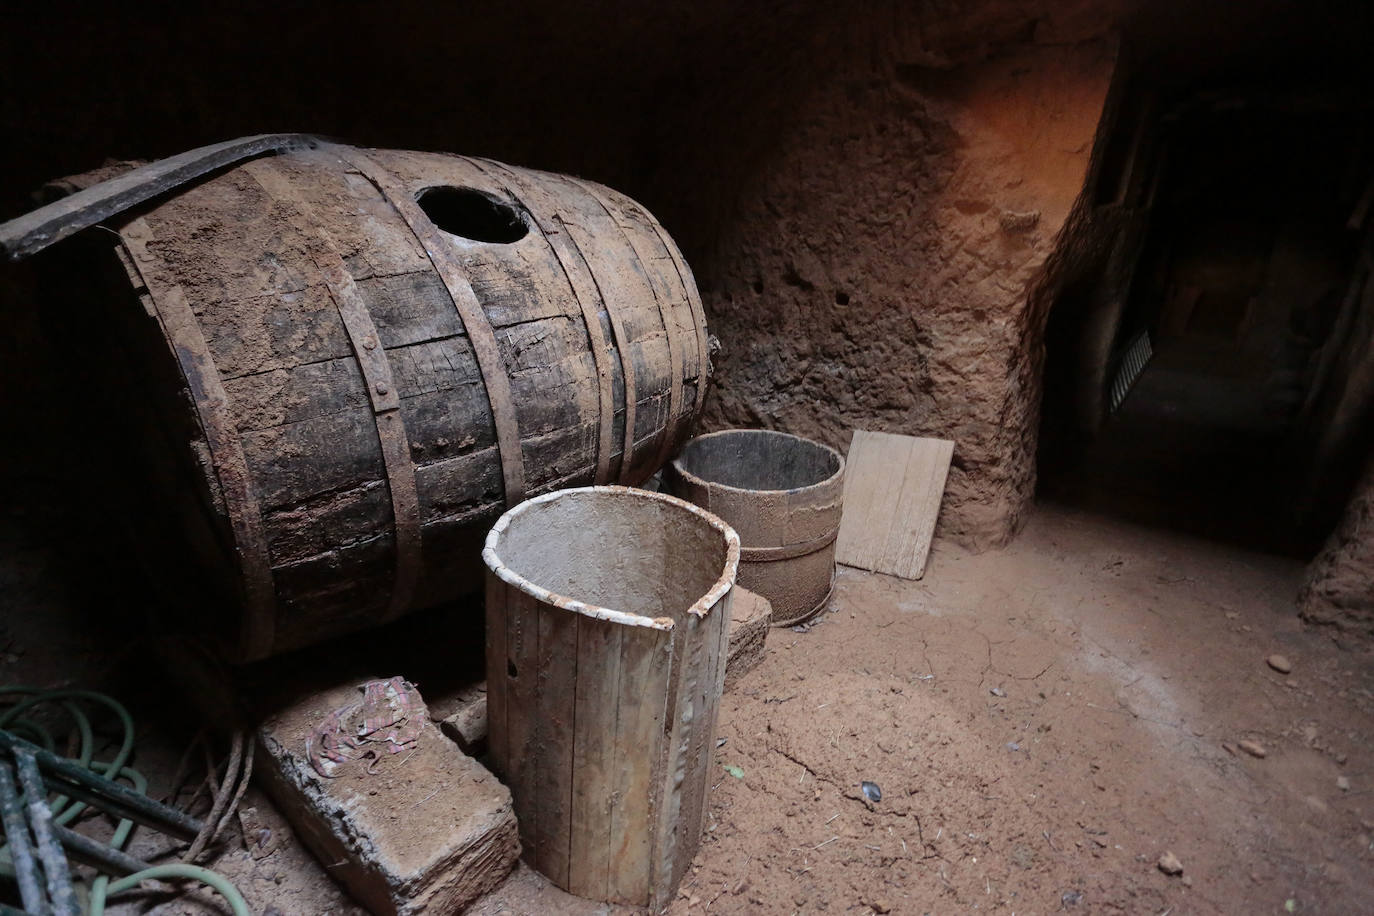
(391,715)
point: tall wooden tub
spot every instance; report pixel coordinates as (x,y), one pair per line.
(608,612)
(784,495)
(359,358)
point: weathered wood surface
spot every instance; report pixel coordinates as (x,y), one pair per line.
(31,233)
(603,689)
(349,382)
(783,495)
(893,489)
(462,714)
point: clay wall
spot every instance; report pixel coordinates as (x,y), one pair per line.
(875,270)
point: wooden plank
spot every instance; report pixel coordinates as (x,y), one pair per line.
(475,322)
(32,232)
(594,760)
(556,698)
(923,485)
(498,745)
(376,371)
(684,273)
(619,299)
(710,636)
(869,499)
(522,711)
(662,297)
(893,488)
(545,213)
(639,737)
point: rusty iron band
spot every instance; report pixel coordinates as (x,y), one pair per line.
(689,283)
(584,289)
(787,551)
(221,435)
(807,615)
(674,351)
(621,341)
(376,372)
(479,330)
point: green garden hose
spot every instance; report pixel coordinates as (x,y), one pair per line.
(65,810)
(193,872)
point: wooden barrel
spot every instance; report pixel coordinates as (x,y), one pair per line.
(784,495)
(367,355)
(608,615)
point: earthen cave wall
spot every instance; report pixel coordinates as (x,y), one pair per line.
(1339,588)
(874,266)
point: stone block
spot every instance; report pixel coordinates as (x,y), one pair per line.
(749,620)
(408,822)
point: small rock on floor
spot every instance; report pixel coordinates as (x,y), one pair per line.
(1253,748)
(1279,663)
(1169,864)
(1343,783)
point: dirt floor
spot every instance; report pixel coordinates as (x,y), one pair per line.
(1044,723)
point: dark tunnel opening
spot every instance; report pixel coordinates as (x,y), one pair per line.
(1194,384)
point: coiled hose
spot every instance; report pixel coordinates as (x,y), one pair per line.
(65,810)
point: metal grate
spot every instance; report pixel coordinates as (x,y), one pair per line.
(1133,362)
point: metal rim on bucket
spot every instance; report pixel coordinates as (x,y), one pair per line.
(681,470)
(811,614)
(699,608)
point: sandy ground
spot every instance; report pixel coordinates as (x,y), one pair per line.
(1044,722)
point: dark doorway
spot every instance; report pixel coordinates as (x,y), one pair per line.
(1210,362)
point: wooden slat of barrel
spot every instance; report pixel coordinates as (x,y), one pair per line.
(642,706)
(692,747)
(596,748)
(303,410)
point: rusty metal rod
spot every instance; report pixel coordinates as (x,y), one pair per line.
(34,231)
(72,779)
(90,852)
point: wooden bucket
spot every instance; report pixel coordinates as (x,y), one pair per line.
(784,495)
(356,359)
(608,614)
